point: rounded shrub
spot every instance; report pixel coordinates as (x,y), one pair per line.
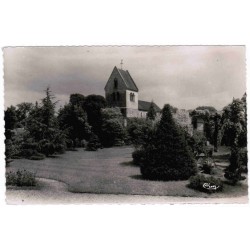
(93,144)
(37,156)
(206,184)
(20,178)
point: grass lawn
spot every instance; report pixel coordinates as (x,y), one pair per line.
(110,171)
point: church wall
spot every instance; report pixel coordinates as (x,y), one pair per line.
(135,113)
(131,104)
(110,89)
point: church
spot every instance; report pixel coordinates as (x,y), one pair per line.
(121,91)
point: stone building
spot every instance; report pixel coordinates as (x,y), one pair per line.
(121,91)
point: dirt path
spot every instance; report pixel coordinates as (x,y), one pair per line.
(54,192)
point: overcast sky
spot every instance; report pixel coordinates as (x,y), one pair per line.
(184,76)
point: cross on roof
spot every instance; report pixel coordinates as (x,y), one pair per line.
(121,63)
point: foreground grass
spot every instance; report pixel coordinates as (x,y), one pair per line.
(110,171)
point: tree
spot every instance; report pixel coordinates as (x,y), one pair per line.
(93,143)
(93,105)
(151,112)
(77,100)
(112,130)
(73,120)
(23,111)
(42,123)
(209,108)
(139,131)
(234,120)
(167,156)
(10,117)
(216,119)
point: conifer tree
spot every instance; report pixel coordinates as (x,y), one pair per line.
(151,112)
(167,157)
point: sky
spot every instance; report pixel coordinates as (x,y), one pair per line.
(183,76)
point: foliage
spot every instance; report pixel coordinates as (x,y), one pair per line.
(139,131)
(112,130)
(93,144)
(93,105)
(20,178)
(42,125)
(138,156)
(209,108)
(10,117)
(22,112)
(77,100)
(234,120)
(206,165)
(37,156)
(73,121)
(47,147)
(167,156)
(198,145)
(11,149)
(151,112)
(243,157)
(208,184)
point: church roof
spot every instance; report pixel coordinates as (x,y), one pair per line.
(128,80)
(144,106)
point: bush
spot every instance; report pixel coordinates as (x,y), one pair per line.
(167,156)
(234,170)
(47,148)
(60,148)
(138,156)
(244,159)
(206,184)
(37,156)
(20,178)
(26,153)
(139,131)
(206,165)
(93,143)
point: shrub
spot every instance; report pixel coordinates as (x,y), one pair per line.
(60,148)
(244,159)
(47,148)
(139,131)
(37,156)
(234,170)
(93,143)
(206,184)
(166,156)
(138,156)
(206,165)
(112,129)
(20,178)
(26,153)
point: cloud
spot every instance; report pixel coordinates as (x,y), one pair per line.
(184,76)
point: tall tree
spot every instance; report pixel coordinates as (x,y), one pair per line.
(167,156)
(73,120)
(43,126)
(77,100)
(93,105)
(151,112)
(234,120)
(112,130)
(10,117)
